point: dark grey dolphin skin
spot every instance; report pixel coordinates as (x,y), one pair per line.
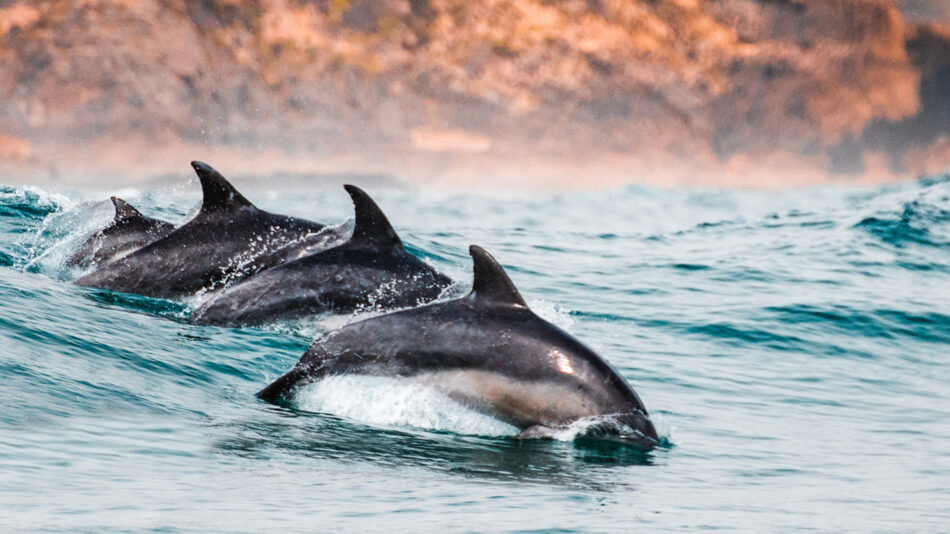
(128,231)
(488,351)
(370,270)
(229,238)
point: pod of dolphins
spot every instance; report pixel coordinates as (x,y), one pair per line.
(486,350)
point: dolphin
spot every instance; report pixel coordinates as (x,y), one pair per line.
(128,231)
(370,270)
(228,239)
(489,351)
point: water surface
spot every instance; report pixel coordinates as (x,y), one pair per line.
(792,346)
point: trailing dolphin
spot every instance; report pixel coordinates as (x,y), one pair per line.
(486,350)
(128,231)
(229,238)
(371,269)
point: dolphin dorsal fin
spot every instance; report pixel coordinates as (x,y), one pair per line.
(491,282)
(371,227)
(123,210)
(218,193)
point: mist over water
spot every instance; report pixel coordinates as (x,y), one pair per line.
(791,346)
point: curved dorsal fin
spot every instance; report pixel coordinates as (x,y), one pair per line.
(491,282)
(123,210)
(218,193)
(371,227)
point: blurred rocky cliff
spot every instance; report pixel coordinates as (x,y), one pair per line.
(580,92)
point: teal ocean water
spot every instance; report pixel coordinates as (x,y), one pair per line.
(793,347)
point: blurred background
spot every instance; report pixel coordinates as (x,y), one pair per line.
(584,93)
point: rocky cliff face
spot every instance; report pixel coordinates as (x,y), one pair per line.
(585,90)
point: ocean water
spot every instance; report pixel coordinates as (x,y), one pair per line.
(793,347)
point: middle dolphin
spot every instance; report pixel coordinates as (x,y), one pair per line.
(372,269)
(229,238)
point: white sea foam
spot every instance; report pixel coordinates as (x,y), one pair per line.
(392,402)
(62,232)
(45,197)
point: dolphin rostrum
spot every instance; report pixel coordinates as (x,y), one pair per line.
(489,351)
(370,270)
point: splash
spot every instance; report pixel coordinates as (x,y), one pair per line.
(552,312)
(390,402)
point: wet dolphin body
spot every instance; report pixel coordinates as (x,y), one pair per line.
(371,269)
(229,238)
(128,231)
(488,351)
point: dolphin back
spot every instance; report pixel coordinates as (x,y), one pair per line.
(370,270)
(229,239)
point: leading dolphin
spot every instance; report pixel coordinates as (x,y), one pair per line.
(371,269)
(128,231)
(229,238)
(489,351)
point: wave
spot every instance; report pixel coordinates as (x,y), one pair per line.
(922,220)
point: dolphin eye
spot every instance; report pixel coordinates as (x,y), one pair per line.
(561,361)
